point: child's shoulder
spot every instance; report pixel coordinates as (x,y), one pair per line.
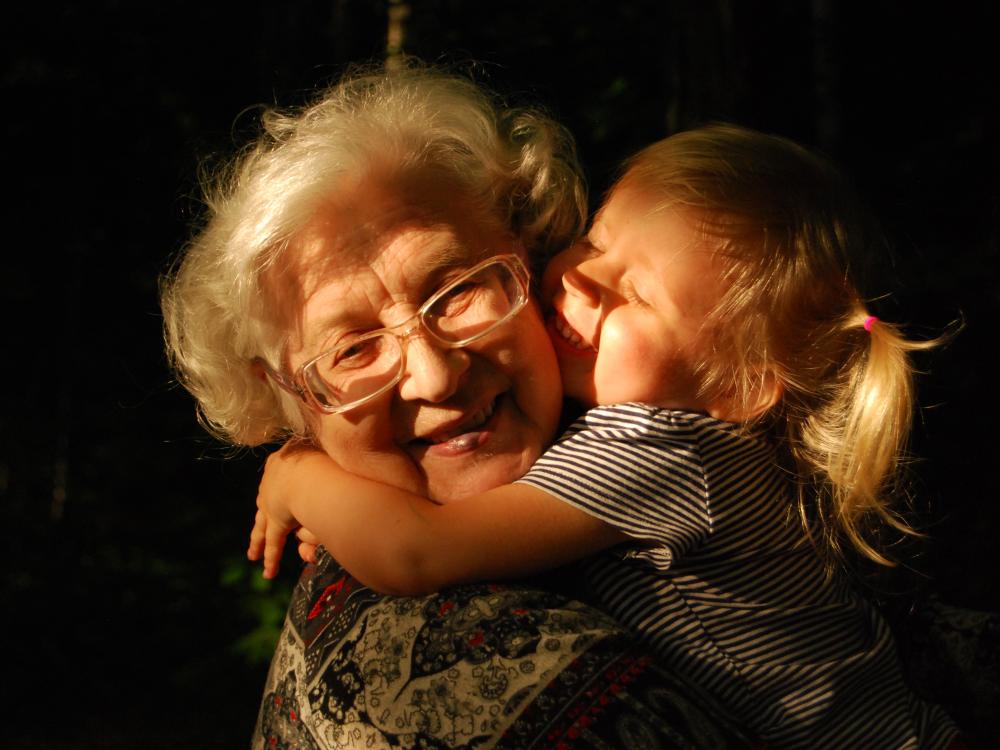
(635,416)
(683,430)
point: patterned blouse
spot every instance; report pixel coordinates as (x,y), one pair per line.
(482,666)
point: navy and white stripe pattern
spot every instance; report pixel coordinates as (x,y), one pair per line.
(722,584)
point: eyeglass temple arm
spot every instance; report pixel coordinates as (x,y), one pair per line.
(281,379)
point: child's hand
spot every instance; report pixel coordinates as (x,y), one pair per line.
(267,540)
(308,542)
(274,520)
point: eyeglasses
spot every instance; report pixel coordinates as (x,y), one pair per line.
(465,310)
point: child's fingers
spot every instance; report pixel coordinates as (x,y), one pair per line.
(307,544)
(306,536)
(307,552)
(257,536)
(274,545)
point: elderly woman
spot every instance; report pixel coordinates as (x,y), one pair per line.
(348,231)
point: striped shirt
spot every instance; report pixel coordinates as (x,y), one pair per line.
(724,588)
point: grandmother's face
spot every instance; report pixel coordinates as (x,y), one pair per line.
(461,420)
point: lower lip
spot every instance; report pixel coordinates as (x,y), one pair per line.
(564,347)
(469,442)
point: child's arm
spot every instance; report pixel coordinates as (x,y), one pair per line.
(400,543)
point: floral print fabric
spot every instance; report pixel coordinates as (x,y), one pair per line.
(479,666)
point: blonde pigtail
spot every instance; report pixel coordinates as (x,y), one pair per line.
(854,439)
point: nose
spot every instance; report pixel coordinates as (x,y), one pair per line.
(582,286)
(565,260)
(433,372)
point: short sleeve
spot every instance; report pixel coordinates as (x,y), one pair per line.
(635,467)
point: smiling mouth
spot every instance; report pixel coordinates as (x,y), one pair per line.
(569,334)
(468,434)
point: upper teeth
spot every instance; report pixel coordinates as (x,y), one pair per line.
(474,423)
(569,333)
(480,417)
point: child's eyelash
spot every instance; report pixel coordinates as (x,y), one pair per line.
(632,296)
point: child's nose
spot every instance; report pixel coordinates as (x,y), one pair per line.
(582,286)
(552,279)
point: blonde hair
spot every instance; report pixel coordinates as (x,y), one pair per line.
(517,166)
(791,321)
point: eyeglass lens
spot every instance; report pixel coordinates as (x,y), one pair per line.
(460,313)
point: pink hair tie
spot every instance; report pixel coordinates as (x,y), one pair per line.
(869,322)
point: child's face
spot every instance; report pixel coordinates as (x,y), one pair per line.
(630,303)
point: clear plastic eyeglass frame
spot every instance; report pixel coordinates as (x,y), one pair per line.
(299,383)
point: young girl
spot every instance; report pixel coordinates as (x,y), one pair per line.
(738,381)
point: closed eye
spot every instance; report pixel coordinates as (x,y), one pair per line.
(630,293)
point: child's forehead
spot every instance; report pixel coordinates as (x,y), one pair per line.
(628,203)
(640,195)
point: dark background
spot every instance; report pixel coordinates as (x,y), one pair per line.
(130,618)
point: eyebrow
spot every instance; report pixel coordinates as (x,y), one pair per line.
(448,258)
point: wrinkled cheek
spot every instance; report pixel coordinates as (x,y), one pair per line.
(538,386)
(363,444)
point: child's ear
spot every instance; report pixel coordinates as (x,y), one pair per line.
(767,394)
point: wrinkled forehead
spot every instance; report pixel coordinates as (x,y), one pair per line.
(371,246)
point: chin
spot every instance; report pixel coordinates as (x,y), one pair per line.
(480,476)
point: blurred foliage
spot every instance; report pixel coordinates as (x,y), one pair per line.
(263,602)
(123,578)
